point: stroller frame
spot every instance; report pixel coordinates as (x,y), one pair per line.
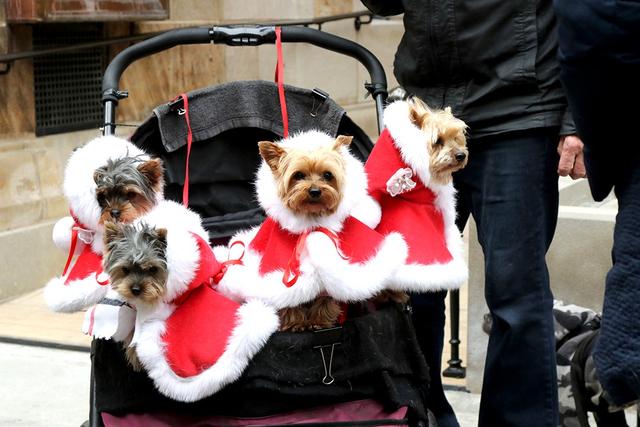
(231,36)
(237,36)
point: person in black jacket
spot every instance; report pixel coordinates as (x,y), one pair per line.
(494,63)
(600,63)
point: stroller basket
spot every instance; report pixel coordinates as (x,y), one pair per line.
(373,355)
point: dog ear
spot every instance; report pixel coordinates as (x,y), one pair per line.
(112,231)
(153,170)
(342,141)
(162,235)
(418,111)
(98,175)
(271,153)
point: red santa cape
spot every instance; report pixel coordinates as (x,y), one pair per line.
(196,340)
(338,254)
(422,211)
(82,284)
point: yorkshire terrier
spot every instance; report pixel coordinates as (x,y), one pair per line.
(127,188)
(135,260)
(446,139)
(310,184)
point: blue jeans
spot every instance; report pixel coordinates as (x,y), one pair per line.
(510,186)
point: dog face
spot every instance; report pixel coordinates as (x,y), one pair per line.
(127,188)
(309,183)
(446,139)
(135,261)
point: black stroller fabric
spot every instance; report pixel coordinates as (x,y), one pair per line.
(375,355)
(227,121)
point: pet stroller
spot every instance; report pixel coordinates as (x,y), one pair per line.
(373,355)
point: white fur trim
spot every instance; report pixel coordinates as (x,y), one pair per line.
(75,296)
(434,277)
(355,189)
(244,282)
(255,324)
(367,211)
(410,140)
(79,186)
(174,216)
(61,235)
(346,281)
(183,260)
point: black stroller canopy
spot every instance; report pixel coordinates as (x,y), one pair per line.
(227,121)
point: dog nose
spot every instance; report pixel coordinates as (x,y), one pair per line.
(460,156)
(136,290)
(315,192)
(115,213)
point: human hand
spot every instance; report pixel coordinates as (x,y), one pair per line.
(571,157)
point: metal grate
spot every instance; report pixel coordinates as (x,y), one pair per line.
(68,85)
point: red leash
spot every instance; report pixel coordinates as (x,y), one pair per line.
(225,265)
(279,77)
(185,112)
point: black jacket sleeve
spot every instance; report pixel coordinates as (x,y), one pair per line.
(567,127)
(384,7)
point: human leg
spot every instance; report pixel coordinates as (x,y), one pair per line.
(512,183)
(429,321)
(617,352)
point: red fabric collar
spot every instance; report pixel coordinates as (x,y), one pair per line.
(275,245)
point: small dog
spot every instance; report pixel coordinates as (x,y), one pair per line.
(410,175)
(446,139)
(127,188)
(447,148)
(134,258)
(310,184)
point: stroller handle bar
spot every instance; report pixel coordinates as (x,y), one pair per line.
(237,36)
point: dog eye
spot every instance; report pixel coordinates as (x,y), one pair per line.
(153,270)
(298,175)
(328,176)
(101,200)
(131,195)
(439,141)
(125,270)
